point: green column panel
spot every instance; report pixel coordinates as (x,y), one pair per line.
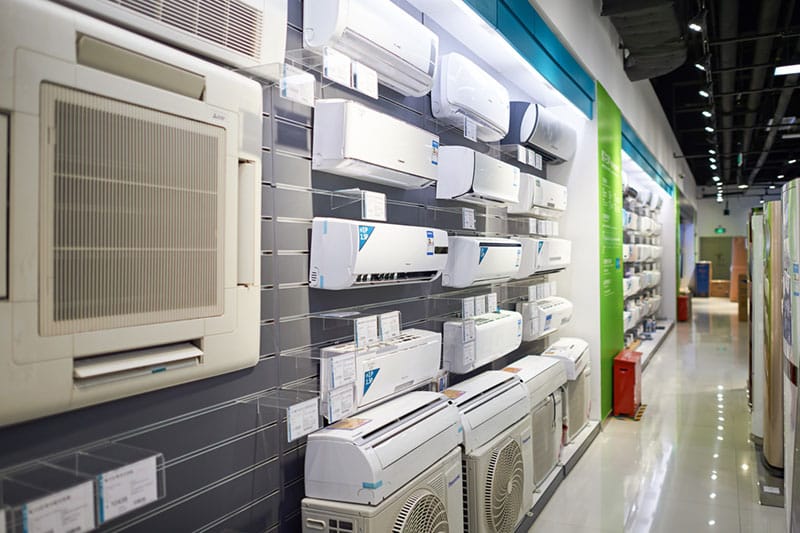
(609,154)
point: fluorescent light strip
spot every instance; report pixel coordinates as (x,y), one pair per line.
(786,70)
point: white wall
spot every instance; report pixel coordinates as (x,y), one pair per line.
(710,215)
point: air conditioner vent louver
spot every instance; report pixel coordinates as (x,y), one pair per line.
(131,210)
(228,23)
(504,487)
(423,512)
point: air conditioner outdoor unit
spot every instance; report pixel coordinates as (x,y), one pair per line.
(543,377)
(135,176)
(471,176)
(498,454)
(542,129)
(539,198)
(553,255)
(350,139)
(378,34)
(247,34)
(574,355)
(480,261)
(384,370)
(366,459)
(352,254)
(544,317)
(463,91)
(468,346)
(430,503)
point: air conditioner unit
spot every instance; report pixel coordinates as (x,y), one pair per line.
(553,255)
(627,252)
(386,369)
(498,454)
(378,34)
(574,355)
(656,252)
(539,198)
(350,139)
(631,285)
(493,336)
(349,254)
(430,503)
(135,176)
(544,317)
(542,129)
(368,458)
(480,261)
(471,176)
(463,91)
(543,377)
(655,303)
(247,34)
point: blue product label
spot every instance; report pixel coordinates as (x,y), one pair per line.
(541,245)
(796,268)
(430,244)
(618,263)
(368,485)
(369,378)
(484,249)
(364,233)
(434,152)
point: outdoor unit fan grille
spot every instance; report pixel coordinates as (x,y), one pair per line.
(504,485)
(231,24)
(577,405)
(131,211)
(422,512)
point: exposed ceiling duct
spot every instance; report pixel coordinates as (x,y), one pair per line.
(728,25)
(651,34)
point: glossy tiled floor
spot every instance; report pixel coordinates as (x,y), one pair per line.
(688,465)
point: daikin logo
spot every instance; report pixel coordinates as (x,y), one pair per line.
(484,249)
(369,378)
(364,233)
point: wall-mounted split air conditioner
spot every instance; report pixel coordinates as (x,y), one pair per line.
(553,255)
(480,261)
(540,198)
(144,267)
(378,34)
(351,139)
(467,347)
(542,129)
(544,317)
(471,176)
(349,254)
(463,90)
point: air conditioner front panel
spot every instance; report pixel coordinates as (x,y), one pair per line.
(554,254)
(542,129)
(577,404)
(496,334)
(549,199)
(481,261)
(531,248)
(546,423)
(471,176)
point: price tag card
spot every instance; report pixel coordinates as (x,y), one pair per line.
(373,206)
(533,293)
(530,157)
(364,80)
(480,305)
(553,288)
(467,218)
(341,403)
(469,353)
(522,154)
(470,129)
(491,302)
(554,228)
(302,418)
(468,307)
(343,370)
(469,330)
(336,66)
(366,331)
(297,85)
(533,226)
(390,325)
(127,488)
(70,510)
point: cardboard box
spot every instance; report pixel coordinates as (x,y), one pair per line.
(720,288)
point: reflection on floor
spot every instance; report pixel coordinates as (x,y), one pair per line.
(688,465)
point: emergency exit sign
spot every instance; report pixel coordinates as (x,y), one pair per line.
(720,229)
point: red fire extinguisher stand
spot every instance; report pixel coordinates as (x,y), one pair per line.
(627,382)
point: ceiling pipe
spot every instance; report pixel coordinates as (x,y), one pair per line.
(745,38)
(728,18)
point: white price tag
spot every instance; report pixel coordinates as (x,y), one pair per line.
(364,80)
(390,325)
(469,330)
(537,161)
(553,288)
(522,154)
(533,226)
(467,218)
(554,228)
(366,331)
(341,403)
(469,353)
(373,206)
(70,510)
(480,305)
(127,488)
(491,302)
(302,418)
(530,157)
(297,85)
(336,66)
(533,293)
(343,370)
(470,129)
(468,307)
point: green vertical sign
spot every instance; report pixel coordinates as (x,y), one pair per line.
(609,154)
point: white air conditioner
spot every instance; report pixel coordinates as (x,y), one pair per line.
(631,285)
(553,255)
(471,176)
(463,91)
(543,377)
(655,303)
(247,34)
(540,198)
(386,369)
(350,139)
(627,252)
(574,355)
(467,347)
(368,458)
(480,261)
(430,503)
(498,454)
(656,251)
(135,177)
(542,129)
(378,34)
(351,254)
(544,316)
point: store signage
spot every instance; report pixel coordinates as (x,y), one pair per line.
(719,230)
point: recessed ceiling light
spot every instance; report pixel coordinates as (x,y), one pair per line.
(771,186)
(703,93)
(700,66)
(780,176)
(709,129)
(712,151)
(791,136)
(715,178)
(719,200)
(785,70)
(695,27)
(707,113)
(712,166)
(792,161)
(743,186)
(761,201)
(712,159)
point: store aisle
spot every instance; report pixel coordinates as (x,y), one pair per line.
(688,464)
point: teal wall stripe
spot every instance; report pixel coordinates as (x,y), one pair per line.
(636,149)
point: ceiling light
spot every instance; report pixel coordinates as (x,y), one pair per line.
(712,159)
(771,186)
(695,27)
(709,129)
(791,136)
(700,66)
(743,185)
(704,93)
(712,166)
(780,176)
(715,178)
(719,199)
(785,70)
(792,161)
(761,201)
(712,151)
(707,113)
(712,522)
